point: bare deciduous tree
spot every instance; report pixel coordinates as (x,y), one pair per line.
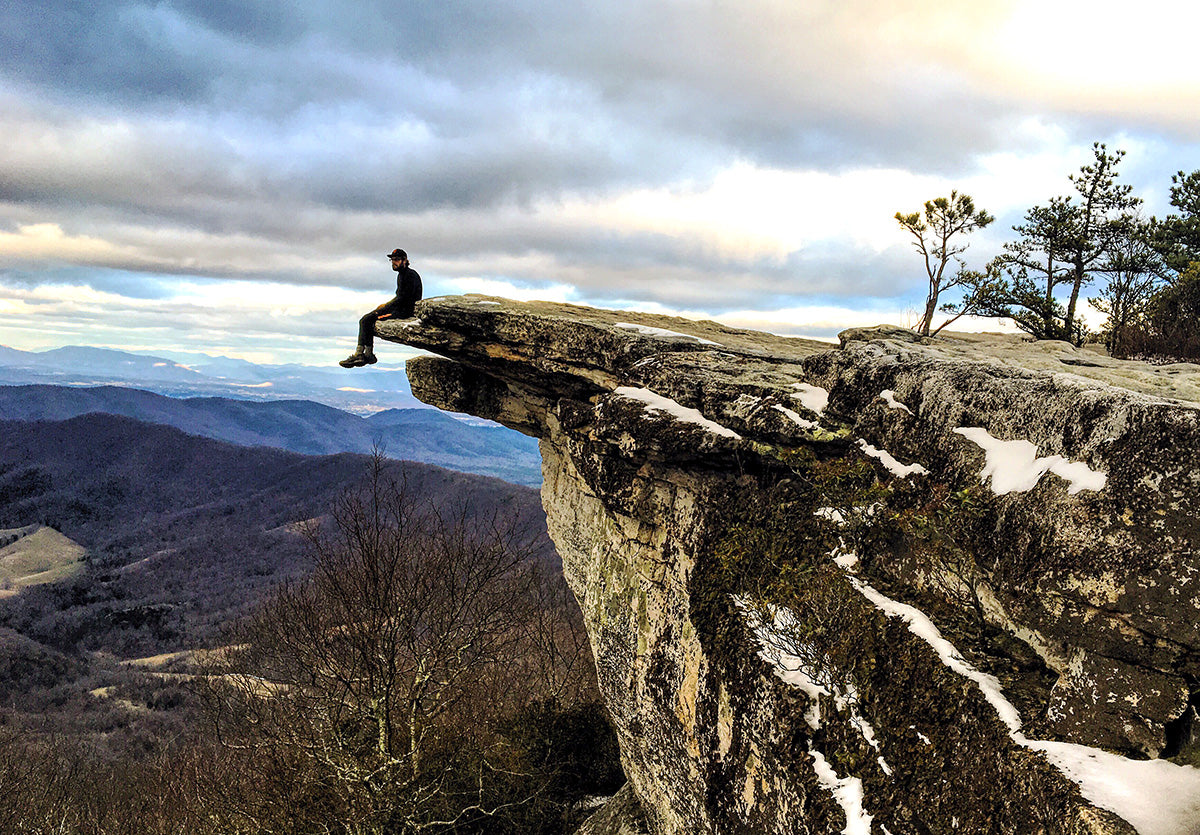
(372,692)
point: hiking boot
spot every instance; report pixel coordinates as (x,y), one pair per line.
(357,359)
(368,359)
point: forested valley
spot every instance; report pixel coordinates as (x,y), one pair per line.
(201,637)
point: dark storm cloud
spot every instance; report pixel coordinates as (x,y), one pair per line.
(631,91)
(259,112)
(592,79)
(79,46)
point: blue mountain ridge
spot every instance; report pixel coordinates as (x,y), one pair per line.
(187,374)
(423,435)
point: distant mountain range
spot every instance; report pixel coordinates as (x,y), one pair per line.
(183,374)
(424,435)
(301,408)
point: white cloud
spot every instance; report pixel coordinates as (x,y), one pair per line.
(1135,62)
(48,242)
(511,290)
(747,213)
(256,321)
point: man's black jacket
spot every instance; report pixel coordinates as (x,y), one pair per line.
(408,291)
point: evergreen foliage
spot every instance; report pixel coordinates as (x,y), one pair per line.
(1168,329)
(945,220)
(1065,245)
(1158,317)
(1177,236)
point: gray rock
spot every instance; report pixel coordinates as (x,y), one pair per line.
(621,815)
(672,447)
(1116,705)
(894,332)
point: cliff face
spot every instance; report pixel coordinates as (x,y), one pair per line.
(888,587)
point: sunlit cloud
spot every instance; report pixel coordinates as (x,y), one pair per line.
(1136,62)
(513,290)
(48,242)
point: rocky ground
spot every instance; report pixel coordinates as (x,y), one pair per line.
(901,585)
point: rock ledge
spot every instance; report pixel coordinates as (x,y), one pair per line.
(1074,579)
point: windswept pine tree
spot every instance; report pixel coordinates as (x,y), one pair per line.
(938,234)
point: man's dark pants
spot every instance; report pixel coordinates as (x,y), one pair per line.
(395,309)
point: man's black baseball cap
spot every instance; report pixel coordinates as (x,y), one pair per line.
(398,253)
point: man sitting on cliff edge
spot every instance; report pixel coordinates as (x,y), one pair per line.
(408,293)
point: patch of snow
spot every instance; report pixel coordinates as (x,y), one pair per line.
(831,513)
(649,331)
(774,642)
(845,697)
(887,769)
(847,791)
(865,728)
(790,668)
(488,302)
(889,397)
(803,423)
(893,466)
(1014,466)
(1156,797)
(1079,474)
(846,561)
(591,801)
(921,626)
(657,403)
(813,398)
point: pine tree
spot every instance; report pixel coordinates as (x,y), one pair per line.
(1065,243)
(945,220)
(1101,218)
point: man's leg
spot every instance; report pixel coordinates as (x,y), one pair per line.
(366,325)
(364,354)
(366,331)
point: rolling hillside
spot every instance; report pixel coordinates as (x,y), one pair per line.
(424,435)
(126,545)
(34,555)
(182,531)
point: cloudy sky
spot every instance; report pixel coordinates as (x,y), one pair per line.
(226,175)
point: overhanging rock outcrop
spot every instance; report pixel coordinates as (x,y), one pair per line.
(901,586)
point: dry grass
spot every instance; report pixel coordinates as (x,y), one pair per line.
(43,555)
